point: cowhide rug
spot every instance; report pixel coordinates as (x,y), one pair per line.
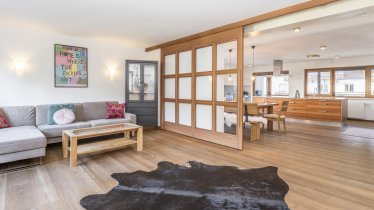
(192,187)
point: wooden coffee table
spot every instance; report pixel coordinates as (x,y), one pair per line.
(70,139)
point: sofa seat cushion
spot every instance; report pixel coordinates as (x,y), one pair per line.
(51,131)
(22,138)
(102,122)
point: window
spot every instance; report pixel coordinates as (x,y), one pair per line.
(261,86)
(342,82)
(226,88)
(204,59)
(318,82)
(350,82)
(349,87)
(279,85)
(227,55)
(266,84)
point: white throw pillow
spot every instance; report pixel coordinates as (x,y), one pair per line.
(64,116)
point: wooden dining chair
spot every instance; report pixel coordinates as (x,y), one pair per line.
(281,116)
(252,110)
(266,100)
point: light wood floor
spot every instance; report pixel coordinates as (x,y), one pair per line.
(324,169)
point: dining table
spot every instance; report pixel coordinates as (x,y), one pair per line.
(269,106)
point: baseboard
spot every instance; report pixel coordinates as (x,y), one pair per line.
(315,122)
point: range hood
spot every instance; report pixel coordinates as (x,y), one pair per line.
(277,67)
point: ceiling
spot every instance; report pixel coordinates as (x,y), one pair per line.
(144,22)
(346,35)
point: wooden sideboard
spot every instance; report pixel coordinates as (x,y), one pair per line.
(319,109)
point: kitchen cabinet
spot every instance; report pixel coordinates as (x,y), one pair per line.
(318,109)
(361,109)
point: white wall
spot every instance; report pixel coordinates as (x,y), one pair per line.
(296,79)
(34,45)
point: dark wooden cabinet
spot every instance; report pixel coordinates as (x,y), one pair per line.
(142,91)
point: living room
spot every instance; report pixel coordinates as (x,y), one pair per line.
(122,105)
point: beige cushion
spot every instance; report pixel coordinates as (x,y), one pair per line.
(274,116)
(95,110)
(103,122)
(51,131)
(16,139)
(19,115)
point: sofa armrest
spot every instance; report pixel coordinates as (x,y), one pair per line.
(131,117)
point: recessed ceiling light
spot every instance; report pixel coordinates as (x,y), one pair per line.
(336,56)
(297,29)
(323,47)
(250,65)
(313,56)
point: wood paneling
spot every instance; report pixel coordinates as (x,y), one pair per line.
(240,24)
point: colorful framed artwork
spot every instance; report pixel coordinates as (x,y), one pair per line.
(71,66)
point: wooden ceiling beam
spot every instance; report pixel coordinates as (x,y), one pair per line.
(256,19)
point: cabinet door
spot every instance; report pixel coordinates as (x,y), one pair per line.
(142,91)
(149,83)
(369,110)
(356,109)
(134,80)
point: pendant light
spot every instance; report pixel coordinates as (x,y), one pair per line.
(253,62)
(253,70)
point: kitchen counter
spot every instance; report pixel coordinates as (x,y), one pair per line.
(327,109)
(308,97)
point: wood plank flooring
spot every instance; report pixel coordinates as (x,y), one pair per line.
(324,168)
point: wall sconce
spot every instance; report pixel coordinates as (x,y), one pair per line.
(253,78)
(20,68)
(112,73)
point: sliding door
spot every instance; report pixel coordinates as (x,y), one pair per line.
(202,88)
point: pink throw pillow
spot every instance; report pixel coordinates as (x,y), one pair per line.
(115,110)
(3,122)
(63,117)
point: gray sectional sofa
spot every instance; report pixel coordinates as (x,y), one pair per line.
(29,133)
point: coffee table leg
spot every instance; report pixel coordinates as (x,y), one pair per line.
(139,139)
(64,145)
(126,135)
(73,152)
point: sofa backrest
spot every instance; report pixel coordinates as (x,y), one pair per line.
(19,115)
(95,110)
(42,113)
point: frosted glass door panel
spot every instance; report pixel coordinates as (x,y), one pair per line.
(185,114)
(204,116)
(204,59)
(227,55)
(226,120)
(204,88)
(185,60)
(170,64)
(149,82)
(169,112)
(170,88)
(185,88)
(134,82)
(227,87)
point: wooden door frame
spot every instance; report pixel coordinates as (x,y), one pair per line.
(234,141)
